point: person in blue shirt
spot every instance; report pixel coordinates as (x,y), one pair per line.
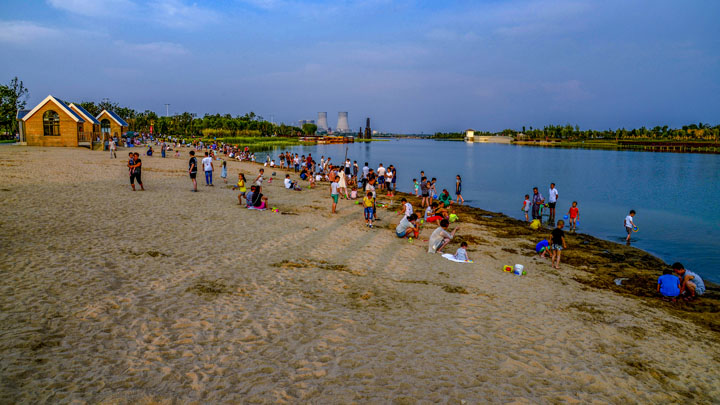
(690,283)
(668,284)
(542,247)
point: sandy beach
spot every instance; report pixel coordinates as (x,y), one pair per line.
(168,296)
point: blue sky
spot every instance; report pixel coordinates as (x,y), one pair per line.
(411,66)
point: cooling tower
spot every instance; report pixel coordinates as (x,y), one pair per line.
(322,121)
(342,125)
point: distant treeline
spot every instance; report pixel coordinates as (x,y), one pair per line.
(187,124)
(698,131)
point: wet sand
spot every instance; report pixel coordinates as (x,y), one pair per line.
(168,296)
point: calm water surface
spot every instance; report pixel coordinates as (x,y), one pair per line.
(675,195)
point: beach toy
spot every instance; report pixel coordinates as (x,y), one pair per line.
(435,196)
(635,229)
(519,270)
(273,173)
(453,217)
(565,217)
(508,268)
(535,224)
(410,240)
(422,221)
(357,202)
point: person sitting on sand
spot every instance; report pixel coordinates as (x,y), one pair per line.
(542,247)
(668,285)
(461,253)
(438,213)
(445,198)
(441,237)
(249,196)
(407,227)
(407,208)
(691,285)
(259,201)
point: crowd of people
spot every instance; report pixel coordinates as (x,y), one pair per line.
(348,181)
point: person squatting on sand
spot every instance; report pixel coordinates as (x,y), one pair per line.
(408,227)
(691,285)
(441,237)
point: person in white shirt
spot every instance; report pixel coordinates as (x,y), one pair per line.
(112,149)
(407,208)
(629,225)
(208,167)
(289,184)
(552,200)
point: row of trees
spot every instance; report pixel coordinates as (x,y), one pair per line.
(569,133)
(188,124)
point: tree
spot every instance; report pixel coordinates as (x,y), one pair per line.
(309,129)
(13,97)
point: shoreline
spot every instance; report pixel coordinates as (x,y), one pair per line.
(639,268)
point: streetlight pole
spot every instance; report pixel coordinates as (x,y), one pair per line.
(167,110)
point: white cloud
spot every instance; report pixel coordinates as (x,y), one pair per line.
(22,32)
(175,13)
(94,8)
(153,49)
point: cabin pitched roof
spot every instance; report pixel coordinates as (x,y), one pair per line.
(22,113)
(64,107)
(84,113)
(115,117)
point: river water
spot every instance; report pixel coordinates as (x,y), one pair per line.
(674,194)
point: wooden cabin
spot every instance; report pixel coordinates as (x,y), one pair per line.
(52,123)
(91,127)
(111,125)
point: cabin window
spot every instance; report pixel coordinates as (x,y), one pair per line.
(51,123)
(105,125)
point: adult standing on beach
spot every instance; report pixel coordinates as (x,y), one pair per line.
(136,173)
(192,170)
(208,168)
(537,201)
(112,149)
(552,200)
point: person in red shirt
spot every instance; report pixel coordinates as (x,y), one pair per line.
(574,214)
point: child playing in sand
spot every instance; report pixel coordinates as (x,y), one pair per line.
(440,237)
(408,227)
(407,208)
(558,243)
(461,253)
(526,207)
(668,285)
(542,247)
(368,204)
(223,173)
(629,225)
(241,187)
(334,193)
(573,214)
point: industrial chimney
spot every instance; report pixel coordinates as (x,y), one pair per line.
(322,122)
(342,125)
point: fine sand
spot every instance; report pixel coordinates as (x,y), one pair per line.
(168,296)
